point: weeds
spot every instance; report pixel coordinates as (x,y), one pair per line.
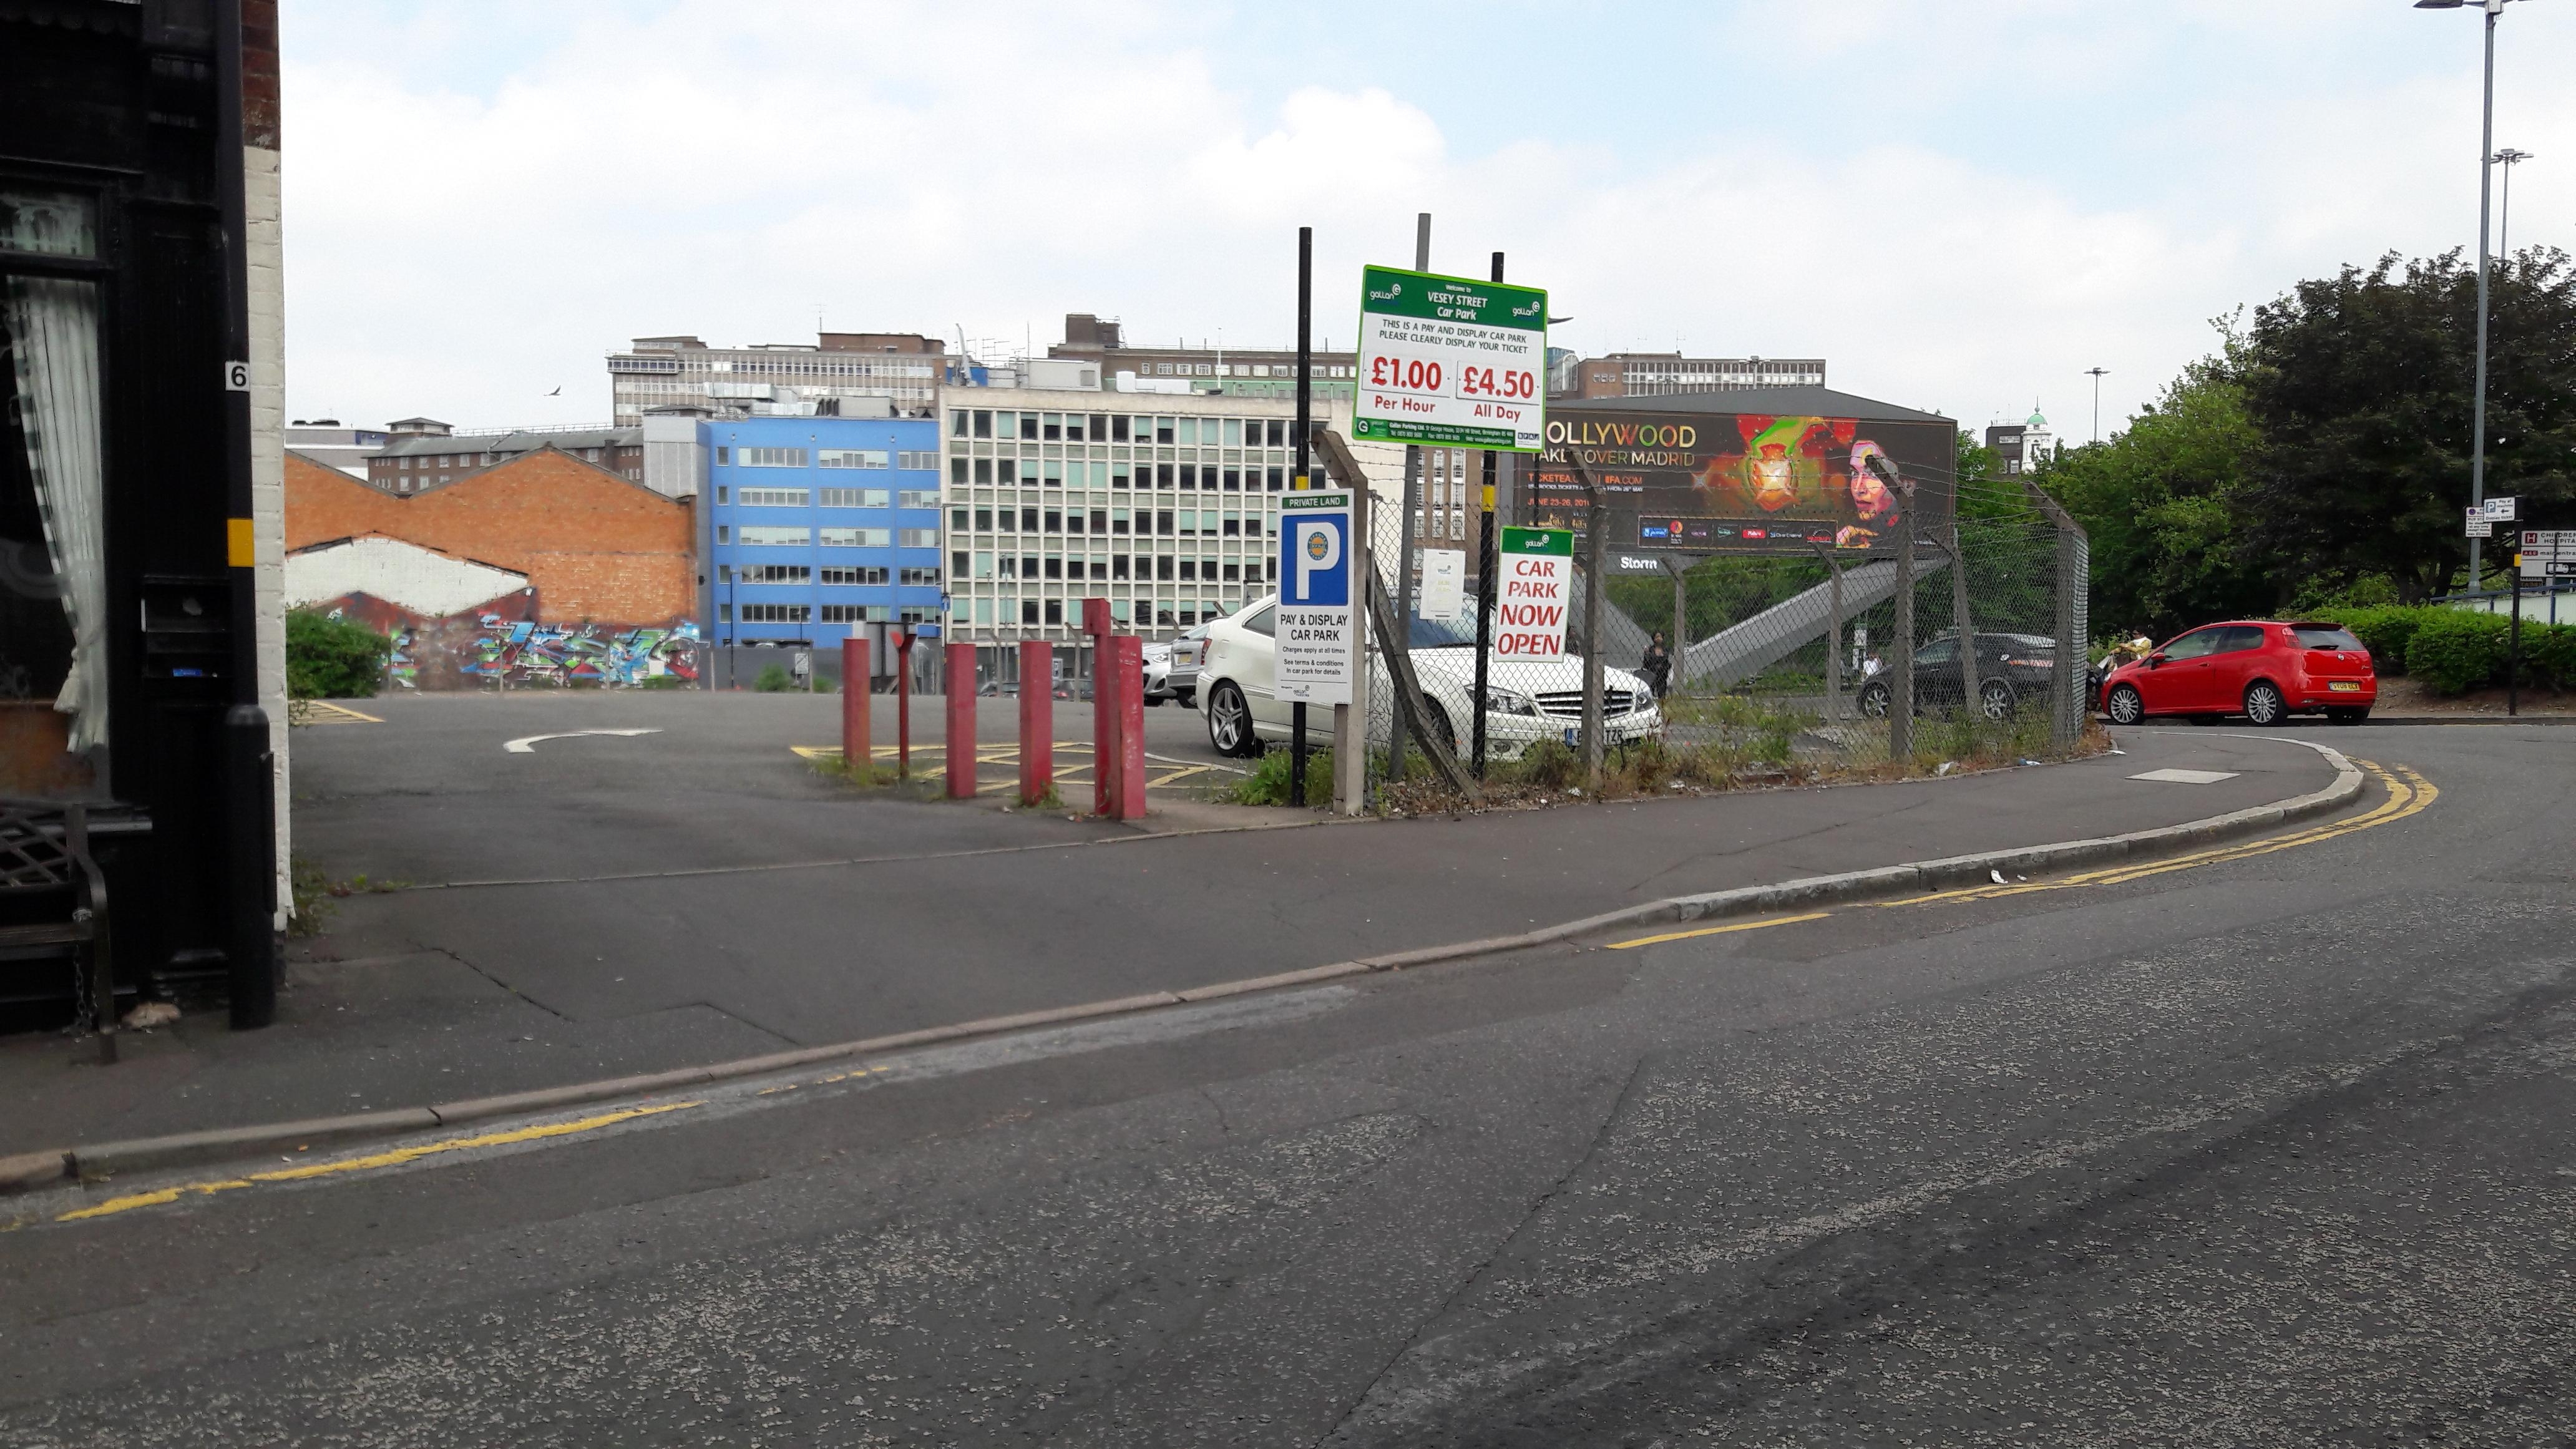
(1268,782)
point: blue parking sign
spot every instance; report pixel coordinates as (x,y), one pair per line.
(1315,556)
(1315,634)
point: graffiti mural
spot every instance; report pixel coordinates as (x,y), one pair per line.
(500,644)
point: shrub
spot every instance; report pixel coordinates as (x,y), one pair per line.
(773,680)
(2385,630)
(329,658)
(2454,650)
(2549,654)
(662,681)
(1268,782)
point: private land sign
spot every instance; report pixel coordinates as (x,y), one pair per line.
(1451,362)
(1537,589)
(1312,628)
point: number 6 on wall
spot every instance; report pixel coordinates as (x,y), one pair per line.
(236,377)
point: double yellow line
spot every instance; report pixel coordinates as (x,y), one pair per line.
(2408,794)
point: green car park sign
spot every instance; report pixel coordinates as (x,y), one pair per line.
(1451,362)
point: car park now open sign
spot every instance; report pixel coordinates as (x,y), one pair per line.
(1312,634)
(1536,568)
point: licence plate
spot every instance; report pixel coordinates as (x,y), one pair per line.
(2344,686)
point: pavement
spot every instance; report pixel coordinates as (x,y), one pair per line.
(610,904)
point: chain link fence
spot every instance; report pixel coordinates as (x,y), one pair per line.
(1760,667)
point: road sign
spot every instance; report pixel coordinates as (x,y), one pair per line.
(1537,589)
(1312,632)
(2479,527)
(1451,361)
(2549,543)
(2500,510)
(1444,585)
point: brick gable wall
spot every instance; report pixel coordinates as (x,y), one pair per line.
(595,546)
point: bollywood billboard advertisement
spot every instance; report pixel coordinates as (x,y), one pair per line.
(1720,482)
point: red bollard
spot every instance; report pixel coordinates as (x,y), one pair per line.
(961,721)
(1126,664)
(1104,709)
(856,754)
(903,704)
(1037,720)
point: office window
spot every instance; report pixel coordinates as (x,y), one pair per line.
(1028,611)
(1118,520)
(854,613)
(1028,472)
(1163,567)
(1010,566)
(984,565)
(1233,480)
(772,536)
(921,578)
(1189,570)
(1055,611)
(1163,429)
(857,537)
(1073,520)
(983,423)
(957,519)
(854,575)
(776,497)
(1099,428)
(1163,522)
(775,613)
(1100,520)
(1190,475)
(1054,473)
(919,462)
(773,458)
(1029,520)
(1162,475)
(1117,428)
(774,574)
(957,563)
(723,534)
(957,470)
(984,520)
(1277,479)
(957,423)
(1055,566)
(1231,573)
(724,613)
(1189,433)
(1233,432)
(917,498)
(1270,568)
(1233,524)
(1118,566)
(1028,565)
(1029,427)
(1054,427)
(1163,617)
(916,538)
(983,470)
(1055,520)
(849,458)
(723,455)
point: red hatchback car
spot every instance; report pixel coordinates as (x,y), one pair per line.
(2264,671)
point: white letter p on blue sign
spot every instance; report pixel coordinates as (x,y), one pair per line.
(1316,549)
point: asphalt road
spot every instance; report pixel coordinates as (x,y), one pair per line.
(2272,1148)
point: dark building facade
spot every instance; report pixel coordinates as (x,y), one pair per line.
(141,459)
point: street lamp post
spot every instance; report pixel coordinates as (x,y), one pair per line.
(2097,373)
(2486,172)
(2507,158)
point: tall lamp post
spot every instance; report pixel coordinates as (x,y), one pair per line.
(2486,172)
(2507,158)
(2097,374)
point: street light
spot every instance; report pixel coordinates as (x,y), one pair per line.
(2507,158)
(2097,374)
(2486,170)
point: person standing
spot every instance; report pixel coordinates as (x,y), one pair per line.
(1657,665)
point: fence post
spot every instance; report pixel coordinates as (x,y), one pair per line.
(960,687)
(1833,635)
(2066,722)
(903,703)
(1959,620)
(1037,720)
(857,753)
(1350,721)
(1123,657)
(1900,665)
(1596,527)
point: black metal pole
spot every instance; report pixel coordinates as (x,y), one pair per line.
(1484,587)
(1408,512)
(1305,402)
(250,835)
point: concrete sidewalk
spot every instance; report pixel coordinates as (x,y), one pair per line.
(715,942)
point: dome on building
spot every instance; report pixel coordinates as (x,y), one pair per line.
(2036,421)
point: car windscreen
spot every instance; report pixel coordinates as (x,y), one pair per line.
(1458,633)
(2324,636)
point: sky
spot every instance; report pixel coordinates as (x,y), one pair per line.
(1962,205)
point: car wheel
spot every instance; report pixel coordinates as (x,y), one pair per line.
(1996,700)
(2264,704)
(2349,716)
(1230,724)
(1189,698)
(1874,699)
(2125,707)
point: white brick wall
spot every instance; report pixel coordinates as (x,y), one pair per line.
(263,209)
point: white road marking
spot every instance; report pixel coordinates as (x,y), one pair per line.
(2186,777)
(527,744)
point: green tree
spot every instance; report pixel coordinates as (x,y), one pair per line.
(2162,502)
(2359,389)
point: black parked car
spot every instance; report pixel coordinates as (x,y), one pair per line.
(2011,668)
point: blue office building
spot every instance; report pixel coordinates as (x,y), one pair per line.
(815,528)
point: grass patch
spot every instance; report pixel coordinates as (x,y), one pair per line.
(1268,782)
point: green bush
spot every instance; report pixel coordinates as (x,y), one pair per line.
(2454,650)
(774,680)
(329,658)
(2549,654)
(1268,782)
(2386,630)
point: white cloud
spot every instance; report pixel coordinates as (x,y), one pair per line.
(1958,205)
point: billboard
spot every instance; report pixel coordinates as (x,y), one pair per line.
(1722,482)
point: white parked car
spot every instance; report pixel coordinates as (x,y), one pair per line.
(1526,702)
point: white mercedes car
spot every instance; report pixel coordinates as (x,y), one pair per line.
(1525,702)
